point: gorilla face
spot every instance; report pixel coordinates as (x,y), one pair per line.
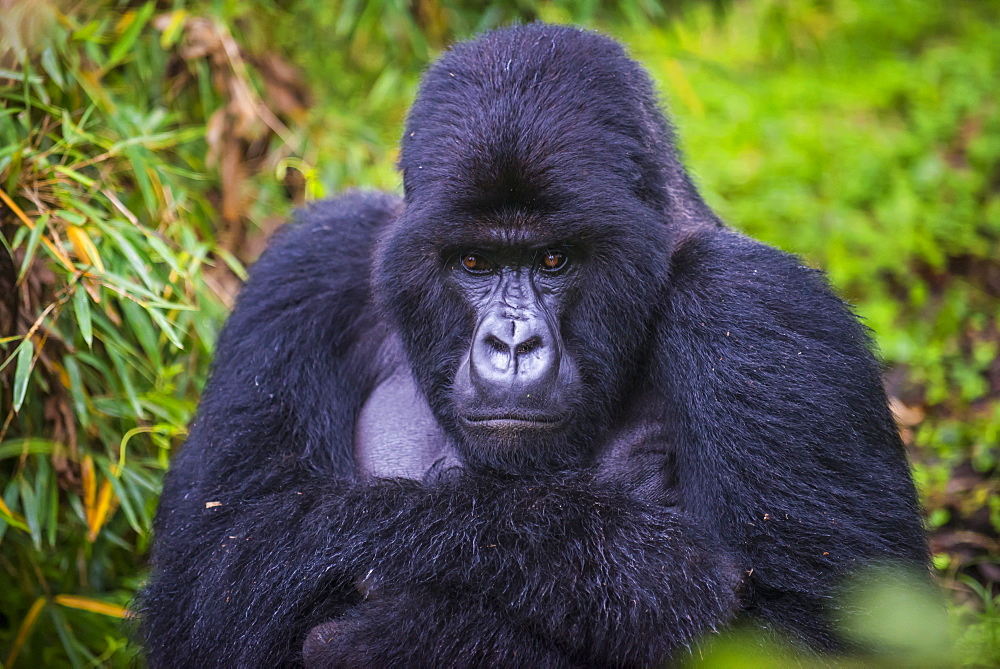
(516,384)
(523,329)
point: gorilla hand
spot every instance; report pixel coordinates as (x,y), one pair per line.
(424,627)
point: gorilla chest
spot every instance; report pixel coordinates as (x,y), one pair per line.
(397,434)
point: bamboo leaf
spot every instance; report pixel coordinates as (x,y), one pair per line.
(75,176)
(88,32)
(172,31)
(24,630)
(141,170)
(81,307)
(29,250)
(102,509)
(76,390)
(16,448)
(92,605)
(128,287)
(52,522)
(70,643)
(20,76)
(140,268)
(55,250)
(44,485)
(29,504)
(22,372)
(167,328)
(232,263)
(84,247)
(121,494)
(124,375)
(143,330)
(11,517)
(89,482)
(71,216)
(162,250)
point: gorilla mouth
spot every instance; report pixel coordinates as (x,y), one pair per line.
(513,421)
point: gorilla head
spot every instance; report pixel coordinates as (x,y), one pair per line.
(525,270)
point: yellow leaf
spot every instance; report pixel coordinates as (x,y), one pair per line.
(12,516)
(92,605)
(125,21)
(89,488)
(24,631)
(105,498)
(56,251)
(171,27)
(62,374)
(84,247)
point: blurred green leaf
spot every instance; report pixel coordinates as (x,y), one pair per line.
(22,371)
(81,306)
(136,22)
(32,245)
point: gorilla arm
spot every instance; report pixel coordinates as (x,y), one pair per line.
(790,456)
(555,562)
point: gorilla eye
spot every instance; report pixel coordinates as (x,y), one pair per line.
(553,261)
(476,264)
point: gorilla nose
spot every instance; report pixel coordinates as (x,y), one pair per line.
(513,352)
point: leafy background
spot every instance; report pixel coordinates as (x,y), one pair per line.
(147,149)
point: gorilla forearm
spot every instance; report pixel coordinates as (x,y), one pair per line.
(589,570)
(592,570)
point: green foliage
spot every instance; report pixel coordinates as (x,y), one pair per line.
(143,155)
(109,324)
(977,637)
(865,136)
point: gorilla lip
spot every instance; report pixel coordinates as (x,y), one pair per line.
(513,421)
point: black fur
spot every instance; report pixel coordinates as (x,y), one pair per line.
(775,471)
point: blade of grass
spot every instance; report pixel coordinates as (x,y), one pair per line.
(24,630)
(129,35)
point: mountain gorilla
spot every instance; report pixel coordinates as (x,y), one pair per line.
(545,410)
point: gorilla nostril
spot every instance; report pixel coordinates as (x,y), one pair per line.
(528,346)
(497,344)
